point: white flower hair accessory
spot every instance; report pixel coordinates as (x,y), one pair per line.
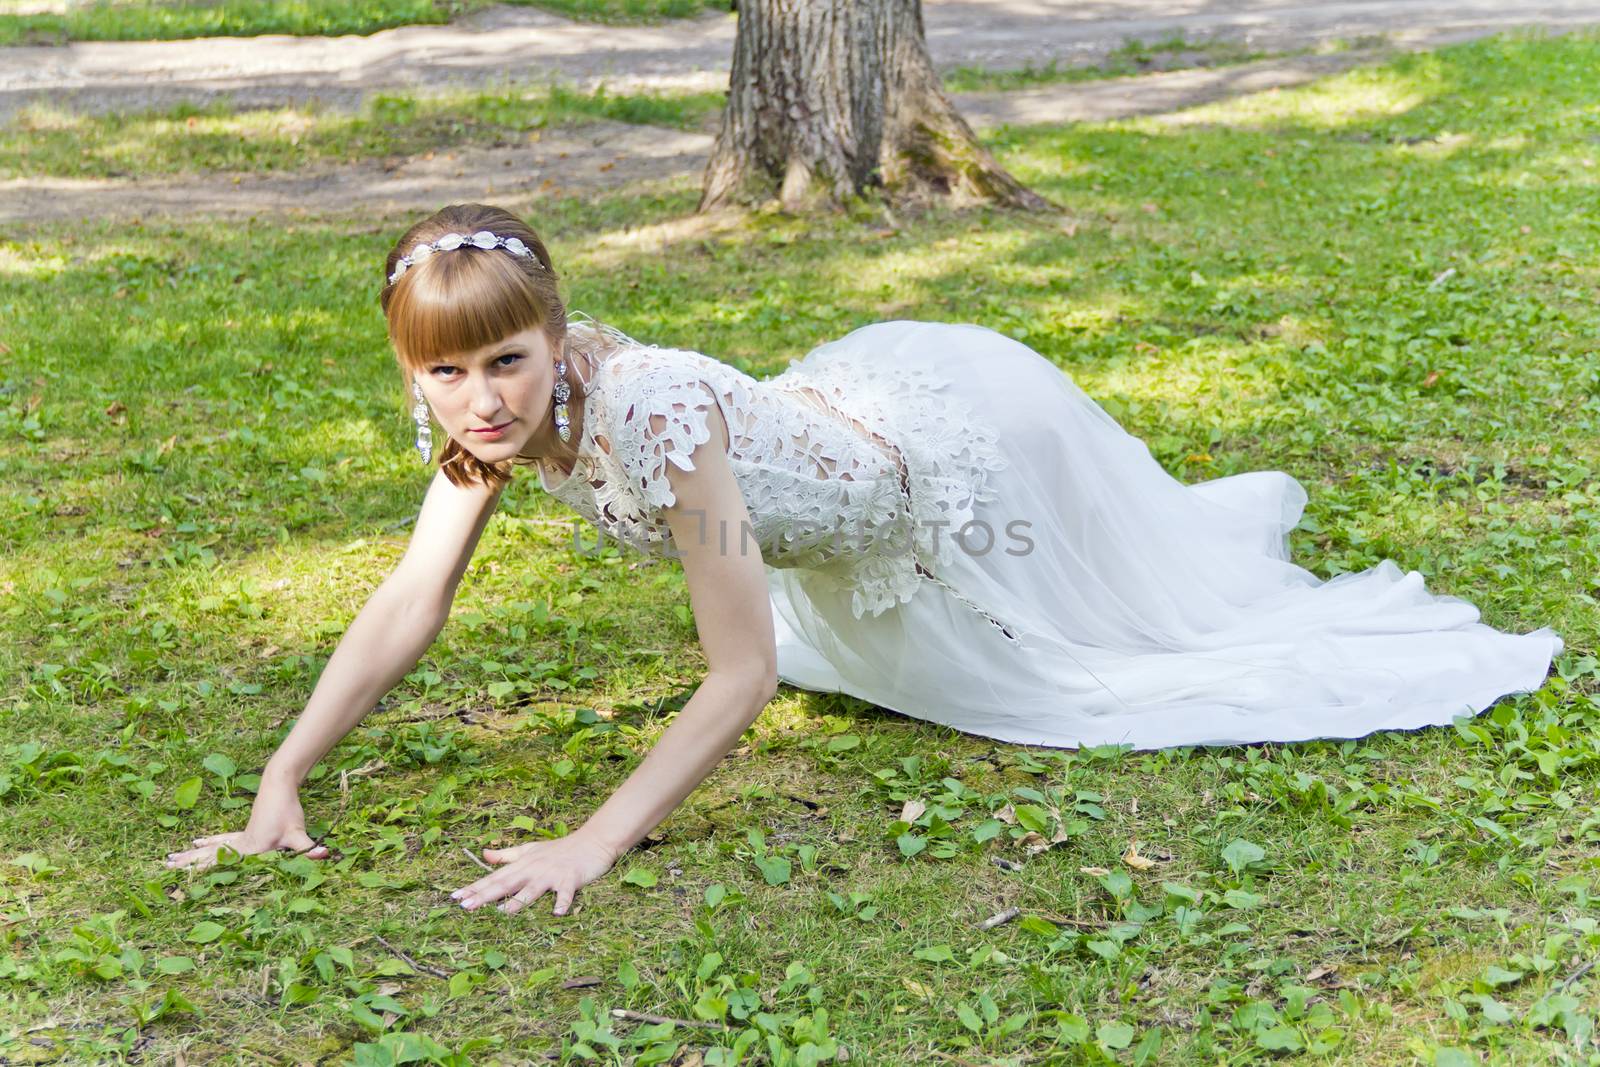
(449,242)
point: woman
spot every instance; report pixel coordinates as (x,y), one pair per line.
(930,517)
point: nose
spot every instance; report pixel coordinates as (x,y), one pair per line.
(485,401)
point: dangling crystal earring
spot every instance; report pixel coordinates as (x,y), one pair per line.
(561,393)
(424,430)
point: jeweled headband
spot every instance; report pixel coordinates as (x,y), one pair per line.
(449,242)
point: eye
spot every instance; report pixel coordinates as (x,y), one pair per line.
(512,356)
(444,370)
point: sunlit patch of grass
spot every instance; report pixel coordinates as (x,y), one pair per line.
(1132,57)
(20,261)
(625,11)
(1350,99)
(137,20)
(47,140)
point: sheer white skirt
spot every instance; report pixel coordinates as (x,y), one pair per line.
(1117,605)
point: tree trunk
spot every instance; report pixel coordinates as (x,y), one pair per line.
(832,97)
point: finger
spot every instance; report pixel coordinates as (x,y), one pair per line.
(496,883)
(564,895)
(179,858)
(303,844)
(201,843)
(506,855)
(522,898)
(195,858)
(489,889)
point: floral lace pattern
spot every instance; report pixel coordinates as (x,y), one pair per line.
(841,471)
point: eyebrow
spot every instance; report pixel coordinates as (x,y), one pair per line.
(509,346)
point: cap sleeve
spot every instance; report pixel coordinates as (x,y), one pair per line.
(658,412)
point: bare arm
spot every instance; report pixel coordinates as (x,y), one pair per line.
(733,616)
(393,629)
(390,633)
(732,612)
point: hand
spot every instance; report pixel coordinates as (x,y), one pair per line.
(276,822)
(562,865)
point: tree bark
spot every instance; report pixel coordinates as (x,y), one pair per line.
(829,98)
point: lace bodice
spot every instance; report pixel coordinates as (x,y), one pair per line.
(847,472)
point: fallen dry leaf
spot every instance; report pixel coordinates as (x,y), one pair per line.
(1007,815)
(912,811)
(1136,861)
(1094,872)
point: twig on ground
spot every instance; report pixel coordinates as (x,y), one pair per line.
(1000,918)
(422,968)
(367,768)
(474,858)
(57,1026)
(1575,975)
(400,524)
(1066,920)
(646,1017)
(344,782)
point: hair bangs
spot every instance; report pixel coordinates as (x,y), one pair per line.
(459,302)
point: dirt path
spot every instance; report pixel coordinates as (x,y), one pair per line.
(522,43)
(603,156)
(594,157)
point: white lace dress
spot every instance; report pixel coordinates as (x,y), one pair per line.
(953,530)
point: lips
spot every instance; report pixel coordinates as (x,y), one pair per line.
(490,431)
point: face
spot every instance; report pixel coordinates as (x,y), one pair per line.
(493,401)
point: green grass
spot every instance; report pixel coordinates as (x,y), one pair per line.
(1133,56)
(141,20)
(188,139)
(205,468)
(623,11)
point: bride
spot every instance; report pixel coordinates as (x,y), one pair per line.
(929,517)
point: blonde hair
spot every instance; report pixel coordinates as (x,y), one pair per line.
(464,300)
